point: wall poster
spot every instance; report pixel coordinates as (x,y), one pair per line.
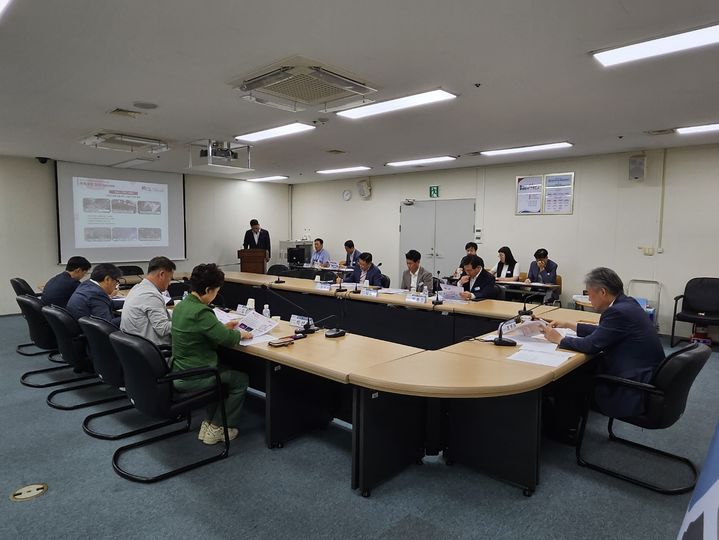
(529,194)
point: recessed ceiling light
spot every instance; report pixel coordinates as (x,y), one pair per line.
(289,129)
(697,129)
(133,163)
(397,104)
(146,105)
(3,5)
(422,161)
(267,178)
(660,46)
(346,169)
(519,150)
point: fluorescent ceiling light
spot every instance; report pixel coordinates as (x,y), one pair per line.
(289,129)
(397,104)
(423,161)
(660,46)
(697,129)
(133,162)
(346,169)
(521,149)
(267,178)
(3,5)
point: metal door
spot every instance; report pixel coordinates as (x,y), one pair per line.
(454,227)
(417,232)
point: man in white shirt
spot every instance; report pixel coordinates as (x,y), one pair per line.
(415,277)
(144,312)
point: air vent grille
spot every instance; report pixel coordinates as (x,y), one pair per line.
(305,89)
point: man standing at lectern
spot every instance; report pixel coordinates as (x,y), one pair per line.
(257,238)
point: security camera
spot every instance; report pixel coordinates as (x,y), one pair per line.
(42,160)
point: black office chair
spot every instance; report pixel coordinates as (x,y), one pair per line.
(500,293)
(109,370)
(328,275)
(42,336)
(436,284)
(665,401)
(148,382)
(20,286)
(73,347)
(278,270)
(384,281)
(700,304)
(131,270)
(177,288)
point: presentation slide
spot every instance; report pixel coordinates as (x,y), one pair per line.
(119,215)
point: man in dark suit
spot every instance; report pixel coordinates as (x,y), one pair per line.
(365,271)
(626,337)
(257,238)
(59,289)
(477,282)
(93,297)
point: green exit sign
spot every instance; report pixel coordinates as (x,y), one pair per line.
(433,192)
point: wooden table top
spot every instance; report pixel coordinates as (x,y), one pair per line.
(496,309)
(332,358)
(450,375)
(571,315)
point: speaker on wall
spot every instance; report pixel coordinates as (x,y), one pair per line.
(364,188)
(637,167)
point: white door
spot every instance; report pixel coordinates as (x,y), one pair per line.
(438,230)
(416,231)
(454,227)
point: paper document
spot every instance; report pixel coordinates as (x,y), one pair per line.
(225,317)
(392,291)
(538,345)
(256,323)
(257,340)
(552,359)
(451,292)
(527,328)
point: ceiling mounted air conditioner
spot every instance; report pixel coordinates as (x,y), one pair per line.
(125,143)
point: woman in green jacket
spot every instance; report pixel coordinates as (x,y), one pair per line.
(196,334)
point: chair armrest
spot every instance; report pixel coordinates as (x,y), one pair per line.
(677,298)
(644,387)
(190,373)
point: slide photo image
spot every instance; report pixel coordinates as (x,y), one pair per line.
(124,206)
(124,234)
(149,207)
(97,234)
(149,234)
(95,206)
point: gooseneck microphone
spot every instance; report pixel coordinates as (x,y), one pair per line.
(501,341)
(524,310)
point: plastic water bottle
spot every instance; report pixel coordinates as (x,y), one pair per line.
(266,311)
(184,295)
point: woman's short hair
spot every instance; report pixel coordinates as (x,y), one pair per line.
(206,276)
(605,278)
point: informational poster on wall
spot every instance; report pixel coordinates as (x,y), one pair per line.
(545,194)
(529,194)
(558,193)
(118,213)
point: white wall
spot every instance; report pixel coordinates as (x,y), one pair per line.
(612,217)
(217,211)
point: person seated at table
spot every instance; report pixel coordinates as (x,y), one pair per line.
(144,312)
(352,254)
(320,256)
(470,248)
(543,270)
(415,277)
(364,271)
(507,268)
(94,296)
(59,289)
(477,282)
(626,337)
(196,335)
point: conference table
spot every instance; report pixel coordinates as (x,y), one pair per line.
(466,398)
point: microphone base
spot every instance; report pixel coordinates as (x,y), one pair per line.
(437,302)
(305,331)
(341,289)
(356,291)
(334,333)
(278,280)
(504,342)
(524,312)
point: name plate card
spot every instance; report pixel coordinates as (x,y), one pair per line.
(323,286)
(298,321)
(370,292)
(415,299)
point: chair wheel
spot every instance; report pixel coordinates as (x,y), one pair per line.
(366,493)
(527,492)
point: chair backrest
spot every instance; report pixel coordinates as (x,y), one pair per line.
(559,283)
(384,281)
(107,365)
(278,270)
(20,286)
(674,376)
(41,333)
(327,275)
(701,295)
(500,293)
(143,363)
(131,270)
(70,339)
(178,288)
(436,284)
(523,276)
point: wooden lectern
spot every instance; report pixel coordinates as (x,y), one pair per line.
(252,260)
